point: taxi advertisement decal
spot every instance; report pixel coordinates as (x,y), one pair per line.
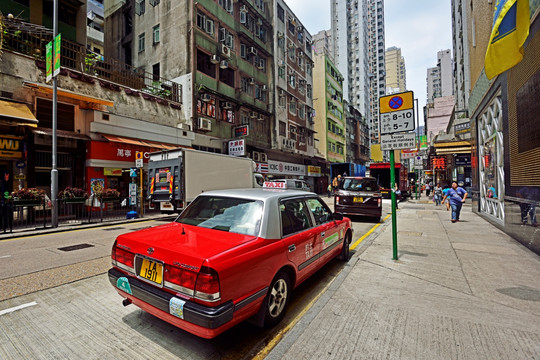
(331,240)
(176,307)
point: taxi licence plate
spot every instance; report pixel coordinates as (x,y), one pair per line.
(151,271)
(358,199)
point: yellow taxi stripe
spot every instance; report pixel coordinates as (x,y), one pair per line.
(353,246)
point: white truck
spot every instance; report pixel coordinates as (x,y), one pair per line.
(176,177)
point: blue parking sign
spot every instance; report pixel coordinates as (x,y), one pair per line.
(133,172)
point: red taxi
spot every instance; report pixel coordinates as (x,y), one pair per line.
(231,255)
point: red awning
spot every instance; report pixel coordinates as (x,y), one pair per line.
(147,143)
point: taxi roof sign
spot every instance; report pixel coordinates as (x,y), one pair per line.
(275,185)
(396,102)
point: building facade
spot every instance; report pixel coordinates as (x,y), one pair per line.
(440,79)
(396,75)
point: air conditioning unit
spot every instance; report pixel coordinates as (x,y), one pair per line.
(252,50)
(206,97)
(225,51)
(243,8)
(281,92)
(205,124)
(214,59)
(263,157)
(260,65)
(264,88)
(291,71)
(184,126)
(260,118)
(251,81)
(281,62)
(299,28)
(226,105)
(253,114)
(255,156)
(259,21)
(223,64)
(280,35)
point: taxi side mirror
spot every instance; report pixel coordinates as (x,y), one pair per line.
(338,216)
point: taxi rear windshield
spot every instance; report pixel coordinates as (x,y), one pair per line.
(226,214)
(359,185)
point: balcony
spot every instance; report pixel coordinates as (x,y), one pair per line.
(30,39)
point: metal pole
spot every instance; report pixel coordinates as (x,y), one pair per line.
(54,171)
(141,192)
(393,196)
(417,147)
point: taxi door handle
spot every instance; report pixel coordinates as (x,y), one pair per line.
(322,234)
(292,248)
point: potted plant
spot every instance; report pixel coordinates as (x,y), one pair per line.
(107,195)
(73,195)
(28,197)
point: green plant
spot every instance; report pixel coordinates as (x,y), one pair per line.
(28,194)
(90,61)
(72,192)
(107,193)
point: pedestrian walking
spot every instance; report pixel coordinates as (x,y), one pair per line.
(446,202)
(428,190)
(335,183)
(329,190)
(528,209)
(457,196)
(437,194)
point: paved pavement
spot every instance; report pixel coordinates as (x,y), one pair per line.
(458,291)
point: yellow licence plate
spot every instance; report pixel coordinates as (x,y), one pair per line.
(358,199)
(151,271)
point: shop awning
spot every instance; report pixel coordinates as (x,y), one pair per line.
(18,113)
(146,143)
(456,147)
(61,133)
(49,90)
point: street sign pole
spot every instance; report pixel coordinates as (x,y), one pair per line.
(417,148)
(393,196)
(54,170)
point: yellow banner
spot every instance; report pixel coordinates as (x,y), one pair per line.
(396,102)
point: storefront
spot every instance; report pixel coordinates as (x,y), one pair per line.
(109,162)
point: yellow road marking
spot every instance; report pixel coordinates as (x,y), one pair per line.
(273,342)
(277,338)
(353,246)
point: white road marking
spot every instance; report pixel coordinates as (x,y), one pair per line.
(5,256)
(20,307)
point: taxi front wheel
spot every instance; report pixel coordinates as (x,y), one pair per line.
(277,298)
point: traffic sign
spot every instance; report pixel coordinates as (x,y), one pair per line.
(397,141)
(139,163)
(396,102)
(133,172)
(397,113)
(138,155)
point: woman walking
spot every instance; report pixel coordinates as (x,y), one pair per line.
(437,191)
(457,196)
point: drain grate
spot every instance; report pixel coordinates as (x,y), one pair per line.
(75,247)
(113,228)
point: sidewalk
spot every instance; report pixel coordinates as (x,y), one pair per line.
(458,291)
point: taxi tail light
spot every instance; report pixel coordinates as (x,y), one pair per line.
(379,202)
(180,277)
(207,285)
(337,199)
(122,256)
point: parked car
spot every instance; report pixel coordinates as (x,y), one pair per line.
(291,184)
(230,256)
(359,196)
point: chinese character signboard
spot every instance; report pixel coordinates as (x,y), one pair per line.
(241,131)
(285,168)
(237,147)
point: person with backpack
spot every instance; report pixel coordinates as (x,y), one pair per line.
(437,194)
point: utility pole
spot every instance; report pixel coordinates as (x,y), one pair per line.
(54,171)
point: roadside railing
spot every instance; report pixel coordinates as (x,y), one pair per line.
(35,215)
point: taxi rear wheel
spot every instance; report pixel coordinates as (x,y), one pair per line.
(277,298)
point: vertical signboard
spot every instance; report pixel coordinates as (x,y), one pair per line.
(57,49)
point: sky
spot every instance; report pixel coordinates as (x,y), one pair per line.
(420,28)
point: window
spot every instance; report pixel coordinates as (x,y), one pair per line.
(227,5)
(226,76)
(141,42)
(321,212)
(294,216)
(292,80)
(226,37)
(204,23)
(281,72)
(282,128)
(139,7)
(281,101)
(280,13)
(301,111)
(292,52)
(292,106)
(155,72)
(309,92)
(155,34)
(204,65)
